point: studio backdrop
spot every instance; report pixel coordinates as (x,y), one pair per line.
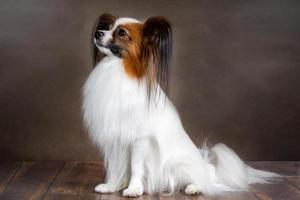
(235,74)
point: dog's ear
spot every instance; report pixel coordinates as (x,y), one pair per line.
(157,48)
(104,22)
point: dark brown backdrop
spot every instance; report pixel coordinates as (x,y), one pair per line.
(235,77)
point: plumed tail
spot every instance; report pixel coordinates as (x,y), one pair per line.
(230,169)
(260,176)
(233,172)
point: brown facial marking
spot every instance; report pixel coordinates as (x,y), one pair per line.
(130,44)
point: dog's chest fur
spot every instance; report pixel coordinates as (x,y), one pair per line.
(113,102)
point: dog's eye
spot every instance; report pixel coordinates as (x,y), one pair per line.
(121,32)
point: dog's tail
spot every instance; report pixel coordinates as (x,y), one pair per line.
(231,171)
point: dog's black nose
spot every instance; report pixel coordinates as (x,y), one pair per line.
(98,34)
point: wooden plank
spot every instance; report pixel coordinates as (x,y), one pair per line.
(276,191)
(32,180)
(94,196)
(237,196)
(178,196)
(118,196)
(286,168)
(223,196)
(7,172)
(182,196)
(77,181)
(58,196)
(281,189)
(295,181)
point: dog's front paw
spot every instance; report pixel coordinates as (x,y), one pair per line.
(133,192)
(192,190)
(104,188)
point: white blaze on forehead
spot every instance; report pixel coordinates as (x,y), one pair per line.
(108,34)
(124,20)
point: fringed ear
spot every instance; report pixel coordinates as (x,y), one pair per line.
(157,50)
(96,55)
(104,22)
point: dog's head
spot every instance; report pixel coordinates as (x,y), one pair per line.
(145,48)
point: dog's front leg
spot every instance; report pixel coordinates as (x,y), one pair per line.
(117,171)
(138,156)
(111,182)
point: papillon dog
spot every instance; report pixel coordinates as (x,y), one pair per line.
(135,125)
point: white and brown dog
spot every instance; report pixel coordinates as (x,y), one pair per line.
(136,126)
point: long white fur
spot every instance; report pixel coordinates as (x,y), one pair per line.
(144,144)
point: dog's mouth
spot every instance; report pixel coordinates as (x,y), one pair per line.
(98,43)
(111,47)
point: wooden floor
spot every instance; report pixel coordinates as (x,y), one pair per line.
(76,180)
